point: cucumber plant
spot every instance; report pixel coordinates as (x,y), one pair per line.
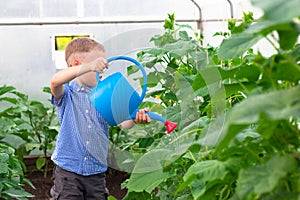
(238,136)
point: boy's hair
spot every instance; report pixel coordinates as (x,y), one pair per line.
(82,45)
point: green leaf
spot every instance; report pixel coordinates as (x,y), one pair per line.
(132,70)
(17,193)
(32,145)
(200,58)
(180,48)
(208,170)
(198,188)
(170,23)
(232,89)
(212,75)
(4,157)
(287,38)
(4,169)
(201,173)
(138,196)
(275,18)
(5,89)
(236,45)
(9,99)
(152,161)
(148,171)
(280,133)
(184,36)
(139,182)
(47,90)
(173,113)
(281,104)
(264,178)
(40,162)
(110,197)
(153,78)
(27,181)
(277,105)
(285,68)
(276,10)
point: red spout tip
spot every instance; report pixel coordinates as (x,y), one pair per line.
(170,126)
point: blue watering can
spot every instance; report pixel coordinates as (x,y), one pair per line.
(116,100)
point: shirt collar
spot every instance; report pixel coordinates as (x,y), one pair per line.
(80,88)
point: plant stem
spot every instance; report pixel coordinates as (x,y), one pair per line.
(272,43)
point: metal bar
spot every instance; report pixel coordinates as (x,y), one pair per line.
(199,22)
(231,8)
(78,22)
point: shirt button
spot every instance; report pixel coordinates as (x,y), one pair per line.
(86,111)
(87,142)
(85,158)
(89,126)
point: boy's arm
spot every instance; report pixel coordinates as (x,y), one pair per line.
(141,117)
(66,75)
(62,77)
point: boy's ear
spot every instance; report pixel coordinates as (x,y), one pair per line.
(75,62)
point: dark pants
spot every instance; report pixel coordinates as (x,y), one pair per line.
(71,186)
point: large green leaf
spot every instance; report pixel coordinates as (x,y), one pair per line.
(280,133)
(279,10)
(211,75)
(275,17)
(264,178)
(277,105)
(200,59)
(152,161)
(148,171)
(281,104)
(139,182)
(208,170)
(180,48)
(236,45)
(285,68)
(200,173)
(232,89)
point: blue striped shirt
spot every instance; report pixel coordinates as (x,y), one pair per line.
(82,142)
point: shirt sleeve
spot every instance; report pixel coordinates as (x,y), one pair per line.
(59,103)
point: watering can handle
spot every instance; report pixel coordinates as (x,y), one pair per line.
(137,63)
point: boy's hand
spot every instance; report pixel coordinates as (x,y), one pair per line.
(141,117)
(98,65)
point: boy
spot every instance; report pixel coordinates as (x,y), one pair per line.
(82,143)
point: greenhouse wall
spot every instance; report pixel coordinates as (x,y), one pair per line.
(124,27)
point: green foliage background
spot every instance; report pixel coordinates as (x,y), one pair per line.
(238,113)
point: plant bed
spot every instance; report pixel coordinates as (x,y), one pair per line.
(42,184)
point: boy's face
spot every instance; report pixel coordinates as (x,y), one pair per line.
(89,79)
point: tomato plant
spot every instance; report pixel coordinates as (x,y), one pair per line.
(11,175)
(32,121)
(238,136)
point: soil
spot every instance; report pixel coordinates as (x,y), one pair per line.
(43,185)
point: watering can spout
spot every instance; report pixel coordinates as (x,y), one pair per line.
(170,126)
